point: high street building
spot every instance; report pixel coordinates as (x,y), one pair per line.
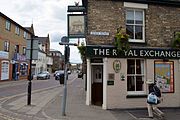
(13,63)
(118,77)
(13,40)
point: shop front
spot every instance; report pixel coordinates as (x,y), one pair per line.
(19,67)
(120,79)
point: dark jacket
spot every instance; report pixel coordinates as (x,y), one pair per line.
(153,88)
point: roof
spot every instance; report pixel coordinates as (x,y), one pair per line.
(12,21)
(43,40)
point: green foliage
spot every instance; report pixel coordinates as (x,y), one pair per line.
(121,40)
(82,51)
(176,43)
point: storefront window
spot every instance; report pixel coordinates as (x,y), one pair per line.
(135,75)
(23,69)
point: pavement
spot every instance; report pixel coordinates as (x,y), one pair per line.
(46,105)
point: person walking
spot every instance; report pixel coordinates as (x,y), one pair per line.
(154,90)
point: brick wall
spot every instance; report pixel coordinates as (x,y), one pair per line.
(106,16)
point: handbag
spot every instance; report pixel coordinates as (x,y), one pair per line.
(152,98)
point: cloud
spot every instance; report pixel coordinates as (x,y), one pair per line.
(47,16)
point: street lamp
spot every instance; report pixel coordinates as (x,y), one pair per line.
(32,50)
(65,41)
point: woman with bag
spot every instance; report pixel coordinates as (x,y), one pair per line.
(153,99)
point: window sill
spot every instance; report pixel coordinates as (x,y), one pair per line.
(136,96)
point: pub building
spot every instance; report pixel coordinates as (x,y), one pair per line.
(121,79)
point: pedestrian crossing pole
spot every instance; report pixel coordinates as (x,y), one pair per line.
(65,41)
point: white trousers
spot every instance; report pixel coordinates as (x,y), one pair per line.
(154,108)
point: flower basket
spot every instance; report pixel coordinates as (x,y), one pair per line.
(176,43)
(121,40)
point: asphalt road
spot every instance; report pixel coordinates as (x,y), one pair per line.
(11,88)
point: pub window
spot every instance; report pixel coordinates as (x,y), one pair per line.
(135,76)
(6,46)
(135,25)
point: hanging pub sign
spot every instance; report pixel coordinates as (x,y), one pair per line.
(150,53)
(76,25)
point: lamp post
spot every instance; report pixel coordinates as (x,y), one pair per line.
(31,53)
(30,77)
(65,41)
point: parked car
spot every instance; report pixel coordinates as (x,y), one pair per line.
(43,75)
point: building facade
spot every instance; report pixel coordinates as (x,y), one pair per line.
(58,61)
(13,63)
(45,60)
(120,80)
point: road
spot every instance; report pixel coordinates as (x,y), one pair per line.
(12,88)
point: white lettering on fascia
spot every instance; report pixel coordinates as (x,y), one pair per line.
(114,52)
(146,53)
(95,51)
(162,54)
(151,53)
(178,53)
(168,53)
(141,53)
(135,53)
(156,53)
(107,51)
(173,54)
(130,53)
(101,51)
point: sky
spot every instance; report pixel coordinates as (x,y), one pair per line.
(47,16)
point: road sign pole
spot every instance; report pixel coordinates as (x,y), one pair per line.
(63,103)
(65,42)
(30,77)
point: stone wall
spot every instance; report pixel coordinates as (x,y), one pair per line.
(161,21)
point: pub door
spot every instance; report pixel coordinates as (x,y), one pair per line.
(97,85)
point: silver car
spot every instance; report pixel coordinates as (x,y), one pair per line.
(43,75)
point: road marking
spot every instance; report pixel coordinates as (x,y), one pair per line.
(6,117)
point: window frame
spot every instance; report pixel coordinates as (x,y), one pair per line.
(8,25)
(25,34)
(135,75)
(17,30)
(134,24)
(24,50)
(6,46)
(16,49)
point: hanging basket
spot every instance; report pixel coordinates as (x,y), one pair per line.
(121,40)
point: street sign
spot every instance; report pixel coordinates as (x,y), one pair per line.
(35,44)
(65,39)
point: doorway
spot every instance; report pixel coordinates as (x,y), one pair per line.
(97,85)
